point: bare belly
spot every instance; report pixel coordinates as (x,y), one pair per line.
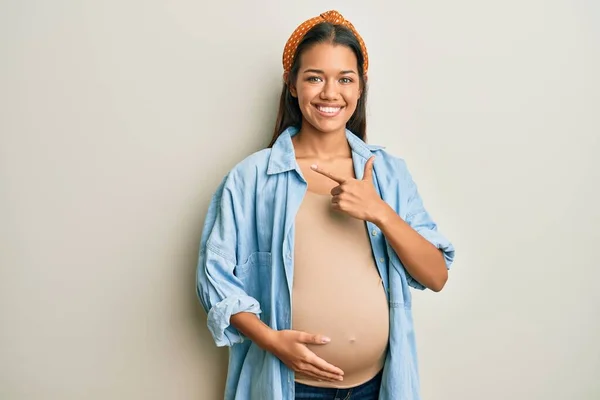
(358,326)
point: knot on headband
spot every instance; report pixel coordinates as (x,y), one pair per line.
(334,18)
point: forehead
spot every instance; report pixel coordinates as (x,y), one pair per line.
(327,56)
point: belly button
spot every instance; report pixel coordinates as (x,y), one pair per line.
(352,340)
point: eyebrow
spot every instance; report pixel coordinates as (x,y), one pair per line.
(319,71)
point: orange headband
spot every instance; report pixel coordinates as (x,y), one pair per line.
(332,17)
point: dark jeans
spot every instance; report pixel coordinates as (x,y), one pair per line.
(367,391)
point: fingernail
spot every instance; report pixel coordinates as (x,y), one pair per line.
(314,166)
(326,339)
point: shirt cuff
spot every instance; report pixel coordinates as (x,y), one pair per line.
(220,314)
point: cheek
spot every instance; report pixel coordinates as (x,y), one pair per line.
(307,94)
(352,96)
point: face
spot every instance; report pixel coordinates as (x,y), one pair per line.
(327,86)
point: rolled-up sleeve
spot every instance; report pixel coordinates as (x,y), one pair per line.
(220,292)
(420,220)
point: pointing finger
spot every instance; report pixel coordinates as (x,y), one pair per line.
(328,174)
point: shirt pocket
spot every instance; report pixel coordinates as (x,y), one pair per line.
(253,272)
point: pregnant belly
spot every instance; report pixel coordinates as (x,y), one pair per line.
(358,327)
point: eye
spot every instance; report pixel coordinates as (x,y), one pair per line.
(314,79)
(346,80)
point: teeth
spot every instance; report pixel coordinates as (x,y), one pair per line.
(329,110)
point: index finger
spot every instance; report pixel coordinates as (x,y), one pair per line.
(328,174)
(324,365)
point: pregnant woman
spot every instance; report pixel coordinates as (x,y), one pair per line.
(310,246)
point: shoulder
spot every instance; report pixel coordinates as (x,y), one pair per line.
(387,162)
(249,169)
(256,161)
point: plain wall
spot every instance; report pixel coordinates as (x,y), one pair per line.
(119,118)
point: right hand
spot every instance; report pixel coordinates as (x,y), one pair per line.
(290,347)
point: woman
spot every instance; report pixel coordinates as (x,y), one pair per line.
(310,246)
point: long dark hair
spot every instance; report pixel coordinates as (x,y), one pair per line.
(289,111)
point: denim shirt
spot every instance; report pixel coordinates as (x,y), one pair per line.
(246,264)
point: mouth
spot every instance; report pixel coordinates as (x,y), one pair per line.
(328,111)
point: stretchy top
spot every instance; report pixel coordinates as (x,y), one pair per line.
(337,292)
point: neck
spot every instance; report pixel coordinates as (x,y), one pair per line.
(311,143)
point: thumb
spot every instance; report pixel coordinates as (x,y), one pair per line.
(369,169)
(309,338)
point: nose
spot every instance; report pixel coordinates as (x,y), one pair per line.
(329,91)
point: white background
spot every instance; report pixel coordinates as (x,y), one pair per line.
(119,118)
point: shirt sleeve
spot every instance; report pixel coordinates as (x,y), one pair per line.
(420,220)
(220,292)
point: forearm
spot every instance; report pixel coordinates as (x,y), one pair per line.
(422,260)
(254,329)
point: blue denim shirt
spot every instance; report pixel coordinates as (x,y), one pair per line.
(246,264)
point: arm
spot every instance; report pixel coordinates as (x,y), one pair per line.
(220,292)
(425,253)
(253,328)
(416,241)
(421,259)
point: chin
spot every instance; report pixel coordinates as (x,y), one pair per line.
(328,126)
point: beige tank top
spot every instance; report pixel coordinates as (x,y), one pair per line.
(337,292)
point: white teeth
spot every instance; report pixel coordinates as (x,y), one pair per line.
(329,110)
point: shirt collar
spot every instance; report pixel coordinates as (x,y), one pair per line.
(283,158)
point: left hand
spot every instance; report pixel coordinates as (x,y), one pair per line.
(357,198)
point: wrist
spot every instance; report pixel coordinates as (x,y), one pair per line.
(268,340)
(382,215)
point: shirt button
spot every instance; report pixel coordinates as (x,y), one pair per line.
(382,259)
(374,233)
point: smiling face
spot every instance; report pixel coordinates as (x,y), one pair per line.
(327,87)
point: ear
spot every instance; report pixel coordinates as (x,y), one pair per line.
(291,87)
(293,90)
